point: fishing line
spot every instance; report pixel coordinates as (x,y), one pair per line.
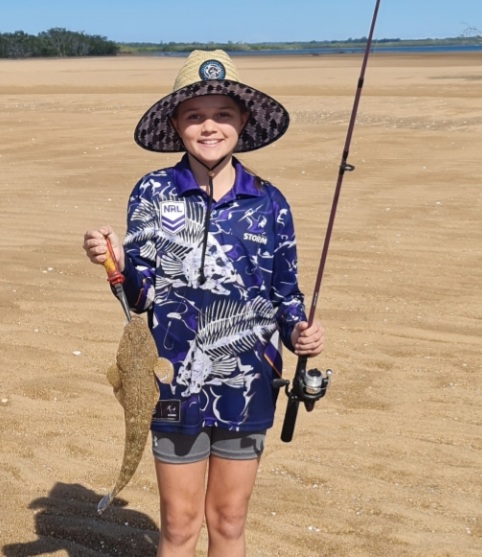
(344,167)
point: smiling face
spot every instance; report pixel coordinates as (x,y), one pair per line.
(209,126)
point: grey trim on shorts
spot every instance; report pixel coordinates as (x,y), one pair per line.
(179,448)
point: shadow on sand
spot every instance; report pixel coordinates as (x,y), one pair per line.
(67,520)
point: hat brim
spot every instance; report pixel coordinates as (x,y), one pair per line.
(268,119)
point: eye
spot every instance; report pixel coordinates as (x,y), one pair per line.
(225,114)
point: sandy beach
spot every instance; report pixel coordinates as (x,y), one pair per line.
(389,463)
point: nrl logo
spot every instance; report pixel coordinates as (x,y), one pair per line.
(173,216)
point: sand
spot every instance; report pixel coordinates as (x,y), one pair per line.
(389,463)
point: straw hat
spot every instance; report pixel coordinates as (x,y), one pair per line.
(212,73)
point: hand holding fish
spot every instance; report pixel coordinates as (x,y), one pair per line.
(95,245)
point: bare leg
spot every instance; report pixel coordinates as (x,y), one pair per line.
(181,492)
(230,484)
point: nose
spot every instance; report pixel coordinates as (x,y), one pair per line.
(208,125)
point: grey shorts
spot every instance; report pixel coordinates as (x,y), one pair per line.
(178,448)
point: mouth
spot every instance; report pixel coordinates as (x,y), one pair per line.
(210,142)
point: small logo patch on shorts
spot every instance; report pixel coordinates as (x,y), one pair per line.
(167,411)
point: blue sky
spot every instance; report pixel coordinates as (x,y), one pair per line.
(244,20)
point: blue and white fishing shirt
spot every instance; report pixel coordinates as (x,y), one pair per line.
(216,333)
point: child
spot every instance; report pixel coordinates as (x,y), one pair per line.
(210,255)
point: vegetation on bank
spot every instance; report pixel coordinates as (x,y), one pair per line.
(56,42)
(59,42)
(173,47)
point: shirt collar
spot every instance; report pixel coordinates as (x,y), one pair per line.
(244,184)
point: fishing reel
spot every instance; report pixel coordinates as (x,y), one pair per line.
(308,387)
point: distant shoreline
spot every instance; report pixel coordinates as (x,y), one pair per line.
(62,43)
(329,51)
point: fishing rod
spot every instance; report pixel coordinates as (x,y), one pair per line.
(310,385)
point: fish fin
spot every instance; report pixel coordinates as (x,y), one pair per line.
(115,379)
(104,503)
(164,370)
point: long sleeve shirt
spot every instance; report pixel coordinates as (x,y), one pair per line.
(216,330)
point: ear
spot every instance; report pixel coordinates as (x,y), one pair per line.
(173,121)
(245,116)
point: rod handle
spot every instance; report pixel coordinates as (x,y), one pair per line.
(114,276)
(290,419)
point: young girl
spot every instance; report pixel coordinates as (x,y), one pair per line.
(210,255)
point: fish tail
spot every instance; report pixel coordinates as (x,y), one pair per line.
(105,502)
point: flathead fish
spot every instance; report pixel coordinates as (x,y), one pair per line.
(133,379)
